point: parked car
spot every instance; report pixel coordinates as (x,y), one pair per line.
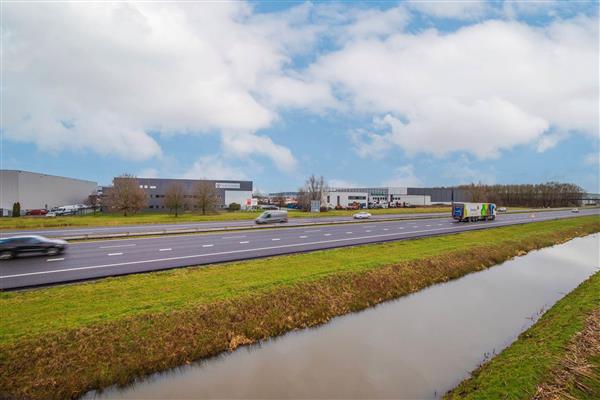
(50,214)
(501,209)
(269,217)
(362,215)
(575,210)
(39,211)
(269,207)
(30,245)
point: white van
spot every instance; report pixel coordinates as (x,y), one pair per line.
(66,210)
(271,217)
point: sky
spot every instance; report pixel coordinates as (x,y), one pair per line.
(363,93)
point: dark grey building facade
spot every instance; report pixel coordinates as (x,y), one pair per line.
(229,191)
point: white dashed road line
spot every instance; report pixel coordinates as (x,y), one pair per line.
(245,242)
(275,239)
(349,233)
(169,249)
(115,254)
(327,234)
(303,237)
(55,259)
(207,245)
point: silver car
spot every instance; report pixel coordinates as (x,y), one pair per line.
(269,217)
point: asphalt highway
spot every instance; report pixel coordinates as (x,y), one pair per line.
(96,259)
(142,228)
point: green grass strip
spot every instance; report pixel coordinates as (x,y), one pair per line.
(37,312)
(519,369)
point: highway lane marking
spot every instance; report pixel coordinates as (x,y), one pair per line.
(115,254)
(275,239)
(327,234)
(348,233)
(401,227)
(55,259)
(169,249)
(316,230)
(233,237)
(303,237)
(118,245)
(469,228)
(245,241)
(207,245)
(385,229)
(368,230)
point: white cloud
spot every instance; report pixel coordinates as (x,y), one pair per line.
(243,145)
(482,89)
(213,167)
(116,71)
(404,176)
(450,9)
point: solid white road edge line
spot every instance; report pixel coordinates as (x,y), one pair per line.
(243,251)
(118,245)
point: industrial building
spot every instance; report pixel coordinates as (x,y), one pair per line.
(35,191)
(385,196)
(229,191)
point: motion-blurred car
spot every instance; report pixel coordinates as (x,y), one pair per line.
(362,215)
(30,245)
(575,210)
(502,209)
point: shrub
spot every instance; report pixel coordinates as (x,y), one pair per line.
(234,207)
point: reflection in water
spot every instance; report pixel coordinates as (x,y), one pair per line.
(416,347)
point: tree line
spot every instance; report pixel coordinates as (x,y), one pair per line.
(549,194)
(127,197)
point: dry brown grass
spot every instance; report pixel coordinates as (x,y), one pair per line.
(576,372)
(67,364)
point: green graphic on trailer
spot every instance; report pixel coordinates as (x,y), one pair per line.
(483,209)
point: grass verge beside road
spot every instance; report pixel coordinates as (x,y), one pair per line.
(100,219)
(551,360)
(60,342)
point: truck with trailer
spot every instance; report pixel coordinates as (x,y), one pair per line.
(471,212)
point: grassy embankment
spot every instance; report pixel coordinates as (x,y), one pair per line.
(100,219)
(62,341)
(557,358)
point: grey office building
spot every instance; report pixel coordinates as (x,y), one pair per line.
(34,190)
(229,191)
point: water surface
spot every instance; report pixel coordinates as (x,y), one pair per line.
(416,347)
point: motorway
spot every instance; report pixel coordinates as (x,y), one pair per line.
(96,259)
(236,224)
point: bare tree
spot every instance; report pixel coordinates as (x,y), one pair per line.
(206,197)
(549,194)
(93,201)
(175,198)
(126,196)
(313,189)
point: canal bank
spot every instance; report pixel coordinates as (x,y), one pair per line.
(60,342)
(418,346)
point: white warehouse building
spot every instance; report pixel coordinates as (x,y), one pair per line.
(34,190)
(382,196)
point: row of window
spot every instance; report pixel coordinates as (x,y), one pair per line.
(147,187)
